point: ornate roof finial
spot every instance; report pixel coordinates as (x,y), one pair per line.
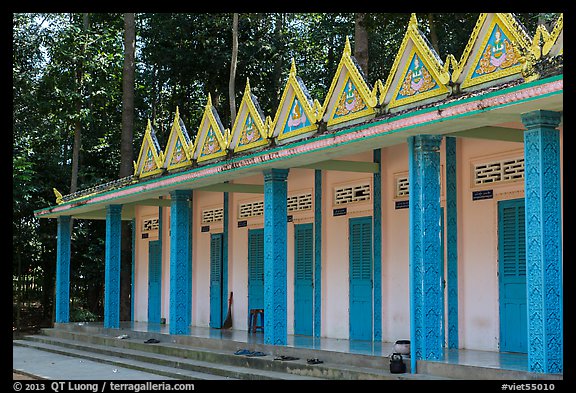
(347,49)
(413,21)
(293,68)
(247,89)
(177,112)
(209,103)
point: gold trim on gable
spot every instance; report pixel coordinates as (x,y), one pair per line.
(177,157)
(150,160)
(553,37)
(250,131)
(475,54)
(354,76)
(434,71)
(294,107)
(211,140)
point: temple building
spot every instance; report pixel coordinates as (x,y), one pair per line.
(426,206)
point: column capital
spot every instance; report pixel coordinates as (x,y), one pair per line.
(275,174)
(180,194)
(113,209)
(541,119)
(426,143)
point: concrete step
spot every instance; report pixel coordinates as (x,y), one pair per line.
(354,370)
(152,362)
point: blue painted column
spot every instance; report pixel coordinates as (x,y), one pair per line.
(133,283)
(377,244)
(543,241)
(112,266)
(426,305)
(275,233)
(317,252)
(452,240)
(63,270)
(180,262)
(225,224)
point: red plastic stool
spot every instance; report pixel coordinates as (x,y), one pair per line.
(253,321)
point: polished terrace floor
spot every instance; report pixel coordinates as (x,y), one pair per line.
(499,360)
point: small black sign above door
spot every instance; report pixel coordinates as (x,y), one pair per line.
(205,228)
(339,212)
(483,194)
(242,224)
(402,204)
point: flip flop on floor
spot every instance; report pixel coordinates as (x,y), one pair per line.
(256,353)
(151,341)
(243,351)
(314,361)
(285,358)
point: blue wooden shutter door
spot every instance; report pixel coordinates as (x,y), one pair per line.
(154,281)
(255,268)
(360,276)
(512,276)
(303,279)
(216,280)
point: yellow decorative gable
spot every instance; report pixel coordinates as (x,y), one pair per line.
(417,73)
(494,50)
(250,129)
(296,114)
(177,153)
(349,96)
(151,157)
(211,139)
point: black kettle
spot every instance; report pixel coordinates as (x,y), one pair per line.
(397,365)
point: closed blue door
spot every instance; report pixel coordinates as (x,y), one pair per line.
(303,279)
(512,276)
(360,276)
(255,269)
(216,280)
(154,280)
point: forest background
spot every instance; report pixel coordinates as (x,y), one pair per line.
(85,85)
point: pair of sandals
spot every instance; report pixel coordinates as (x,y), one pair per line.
(309,361)
(249,353)
(151,341)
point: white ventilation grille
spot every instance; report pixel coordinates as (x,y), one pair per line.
(299,202)
(499,171)
(402,187)
(212,215)
(352,194)
(150,224)
(251,209)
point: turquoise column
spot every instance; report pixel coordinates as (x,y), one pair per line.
(377,244)
(225,223)
(112,266)
(452,240)
(63,270)
(133,284)
(425,246)
(543,241)
(317,252)
(275,233)
(180,262)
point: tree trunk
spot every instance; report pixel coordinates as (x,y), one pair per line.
(232,83)
(361,41)
(433,34)
(126,159)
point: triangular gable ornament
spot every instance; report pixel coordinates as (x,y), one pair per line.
(212,139)
(177,153)
(250,130)
(297,112)
(494,51)
(418,75)
(151,157)
(350,97)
